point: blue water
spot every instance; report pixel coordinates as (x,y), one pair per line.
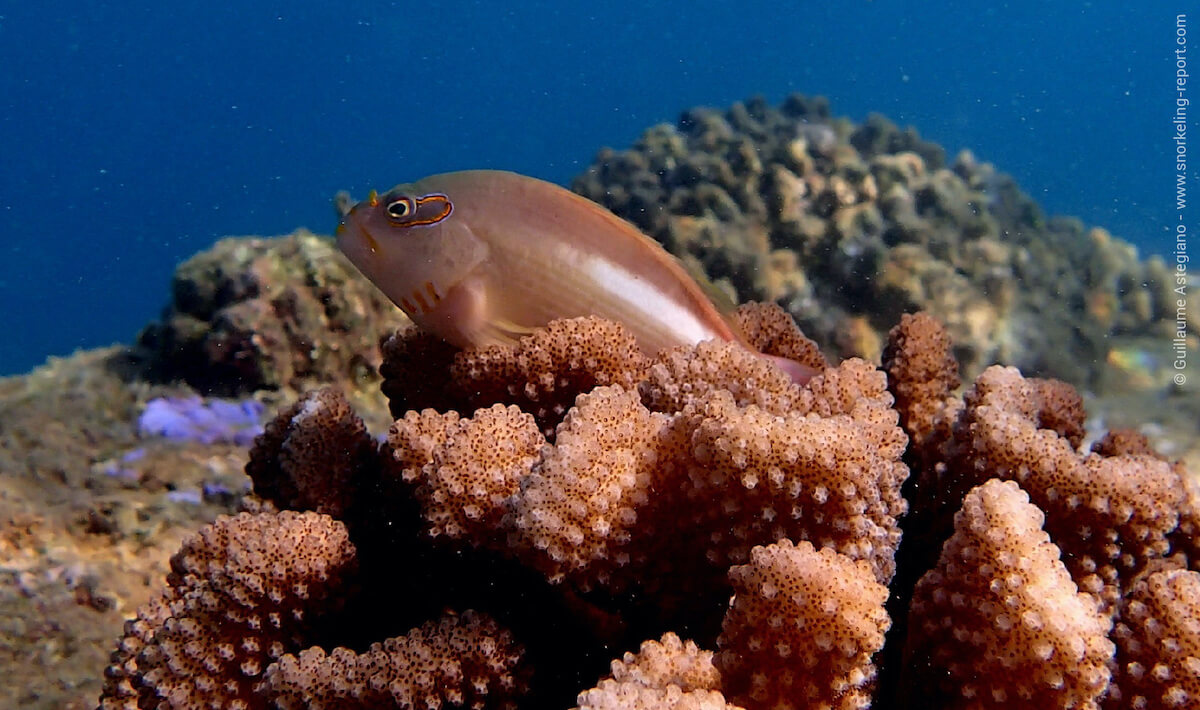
(133,135)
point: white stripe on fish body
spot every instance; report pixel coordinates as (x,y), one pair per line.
(647,301)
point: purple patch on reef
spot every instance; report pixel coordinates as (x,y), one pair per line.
(190,496)
(212,490)
(113,470)
(193,419)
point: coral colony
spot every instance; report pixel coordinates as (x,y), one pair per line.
(569,521)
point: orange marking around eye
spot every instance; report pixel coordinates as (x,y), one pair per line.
(373,198)
(432,291)
(435,198)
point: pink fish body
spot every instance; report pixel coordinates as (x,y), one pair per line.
(485,257)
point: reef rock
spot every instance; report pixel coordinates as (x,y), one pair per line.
(848,226)
(254,314)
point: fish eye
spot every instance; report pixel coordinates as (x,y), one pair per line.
(400,209)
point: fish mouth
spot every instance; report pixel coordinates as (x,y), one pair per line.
(343,229)
(345,206)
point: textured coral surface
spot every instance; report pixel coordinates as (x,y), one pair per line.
(999,622)
(802,629)
(732,539)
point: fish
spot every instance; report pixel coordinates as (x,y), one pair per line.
(486,257)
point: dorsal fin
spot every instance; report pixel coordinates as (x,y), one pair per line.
(342,203)
(719,297)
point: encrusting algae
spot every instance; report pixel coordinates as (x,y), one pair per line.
(732,538)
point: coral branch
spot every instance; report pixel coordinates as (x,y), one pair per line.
(999,622)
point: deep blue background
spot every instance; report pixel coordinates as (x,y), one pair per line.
(132,135)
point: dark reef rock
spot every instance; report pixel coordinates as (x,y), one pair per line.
(850,225)
(254,314)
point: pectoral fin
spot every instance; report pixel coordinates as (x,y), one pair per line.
(461,315)
(498,331)
(465,318)
(800,373)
